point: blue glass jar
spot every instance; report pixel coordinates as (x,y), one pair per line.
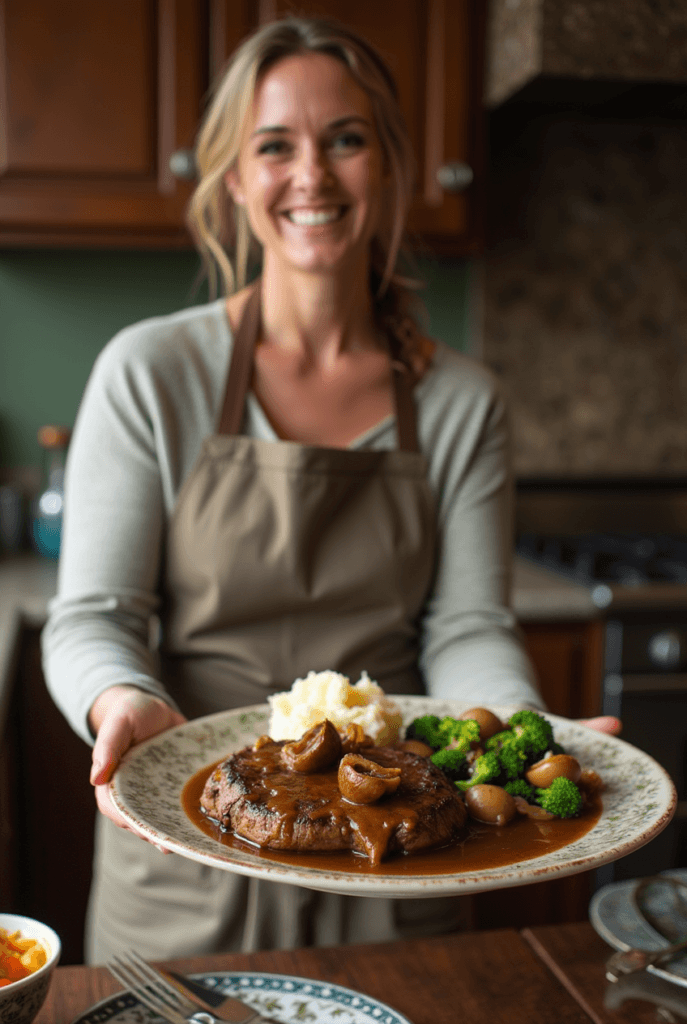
(46,519)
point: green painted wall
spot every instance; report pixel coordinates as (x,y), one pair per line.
(58,309)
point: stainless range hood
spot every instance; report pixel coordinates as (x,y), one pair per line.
(587,51)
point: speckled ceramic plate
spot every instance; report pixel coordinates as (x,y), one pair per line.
(280,996)
(638,803)
(617,920)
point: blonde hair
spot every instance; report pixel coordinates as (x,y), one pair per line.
(219,226)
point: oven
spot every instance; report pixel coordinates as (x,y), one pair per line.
(627,541)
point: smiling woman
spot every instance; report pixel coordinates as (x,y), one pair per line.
(293,478)
(352,63)
(310,172)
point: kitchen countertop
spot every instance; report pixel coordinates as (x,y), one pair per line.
(27,583)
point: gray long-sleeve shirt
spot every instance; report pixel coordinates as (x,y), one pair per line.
(154,394)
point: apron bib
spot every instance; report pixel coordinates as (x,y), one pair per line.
(280,558)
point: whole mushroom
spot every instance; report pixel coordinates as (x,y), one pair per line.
(490,804)
(489,723)
(545,771)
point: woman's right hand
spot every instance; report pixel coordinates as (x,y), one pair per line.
(121,717)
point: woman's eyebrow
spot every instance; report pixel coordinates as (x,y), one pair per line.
(338,123)
(268,128)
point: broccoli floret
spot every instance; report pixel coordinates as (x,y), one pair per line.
(452,761)
(561,798)
(444,732)
(534,733)
(485,768)
(498,739)
(519,787)
(458,733)
(426,728)
(512,758)
(510,751)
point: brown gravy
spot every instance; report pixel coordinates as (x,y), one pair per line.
(480,846)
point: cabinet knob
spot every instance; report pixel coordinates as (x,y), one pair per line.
(455,177)
(182,164)
(665,648)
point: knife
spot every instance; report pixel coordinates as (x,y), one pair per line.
(225,1007)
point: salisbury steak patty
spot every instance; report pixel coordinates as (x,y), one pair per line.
(256,796)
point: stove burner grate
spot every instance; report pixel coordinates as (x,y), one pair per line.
(612,558)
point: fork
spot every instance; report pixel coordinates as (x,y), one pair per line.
(153,990)
(630,961)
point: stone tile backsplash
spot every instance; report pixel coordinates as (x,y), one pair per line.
(585,298)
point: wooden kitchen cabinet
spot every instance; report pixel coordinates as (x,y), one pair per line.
(48,807)
(568,660)
(97,98)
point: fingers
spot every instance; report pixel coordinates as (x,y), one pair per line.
(609,724)
(124,716)
(113,740)
(106,807)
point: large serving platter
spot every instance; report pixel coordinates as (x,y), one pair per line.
(638,803)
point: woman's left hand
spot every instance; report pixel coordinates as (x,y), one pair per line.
(604,723)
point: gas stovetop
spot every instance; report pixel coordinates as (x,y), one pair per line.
(628,560)
(625,539)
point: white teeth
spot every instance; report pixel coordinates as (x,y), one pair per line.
(309,218)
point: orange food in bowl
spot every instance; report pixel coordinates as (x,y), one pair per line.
(19,957)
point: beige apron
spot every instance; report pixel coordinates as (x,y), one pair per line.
(280,558)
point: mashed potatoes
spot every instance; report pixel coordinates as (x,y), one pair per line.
(330,695)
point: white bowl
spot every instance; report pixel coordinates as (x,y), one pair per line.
(21,1001)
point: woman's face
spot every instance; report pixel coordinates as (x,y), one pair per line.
(310,170)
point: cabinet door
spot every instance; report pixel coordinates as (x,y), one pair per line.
(568,661)
(434,48)
(96,97)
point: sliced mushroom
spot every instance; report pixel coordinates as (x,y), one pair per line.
(414,747)
(544,772)
(317,749)
(487,721)
(532,810)
(354,738)
(490,804)
(364,782)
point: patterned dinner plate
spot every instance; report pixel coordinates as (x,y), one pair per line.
(286,999)
(617,919)
(638,803)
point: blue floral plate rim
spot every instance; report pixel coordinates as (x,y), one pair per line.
(284,996)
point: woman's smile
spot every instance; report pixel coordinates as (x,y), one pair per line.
(313,217)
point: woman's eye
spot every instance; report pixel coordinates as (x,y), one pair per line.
(275,147)
(348,141)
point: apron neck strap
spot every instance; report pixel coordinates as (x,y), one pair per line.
(241,367)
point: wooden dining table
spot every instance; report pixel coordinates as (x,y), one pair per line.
(544,975)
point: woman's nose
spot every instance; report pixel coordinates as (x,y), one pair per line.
(312,168)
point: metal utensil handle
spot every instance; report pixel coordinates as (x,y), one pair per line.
(205,1017)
